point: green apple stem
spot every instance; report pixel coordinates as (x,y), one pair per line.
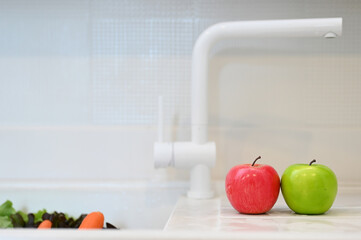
(313,161)
(255,160)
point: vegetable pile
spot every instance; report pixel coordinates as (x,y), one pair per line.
(10,218)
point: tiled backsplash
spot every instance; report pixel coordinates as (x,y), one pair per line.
(70,67)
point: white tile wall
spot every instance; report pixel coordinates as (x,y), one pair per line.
(67,68)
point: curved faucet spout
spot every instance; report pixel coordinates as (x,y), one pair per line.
(319,27)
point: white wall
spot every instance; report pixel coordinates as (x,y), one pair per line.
(79,82)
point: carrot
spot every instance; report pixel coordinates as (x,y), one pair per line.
(45,224)
(92,221)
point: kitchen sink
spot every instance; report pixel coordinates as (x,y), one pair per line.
(127,205)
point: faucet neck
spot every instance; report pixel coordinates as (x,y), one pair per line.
(273,28)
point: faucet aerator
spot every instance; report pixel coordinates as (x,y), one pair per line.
(330,35)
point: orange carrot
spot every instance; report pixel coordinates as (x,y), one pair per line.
(45,224)
(93,220)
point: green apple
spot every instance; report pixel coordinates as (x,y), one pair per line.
(309,188)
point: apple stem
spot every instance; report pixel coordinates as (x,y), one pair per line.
(255,160)
(314,160)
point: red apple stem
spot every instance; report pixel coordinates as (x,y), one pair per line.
(313,161)
(256,160)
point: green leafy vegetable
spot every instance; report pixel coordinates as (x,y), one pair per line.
(23,215)
(17,220)
(39,215)
(6,209)
(5,222)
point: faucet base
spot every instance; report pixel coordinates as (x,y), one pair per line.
(200,182)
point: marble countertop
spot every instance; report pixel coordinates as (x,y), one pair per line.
(217,215)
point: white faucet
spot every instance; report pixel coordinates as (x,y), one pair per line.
(200,155)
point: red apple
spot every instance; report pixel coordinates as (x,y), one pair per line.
(252,188)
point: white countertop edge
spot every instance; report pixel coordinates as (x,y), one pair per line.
(157,234)
(114,184)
